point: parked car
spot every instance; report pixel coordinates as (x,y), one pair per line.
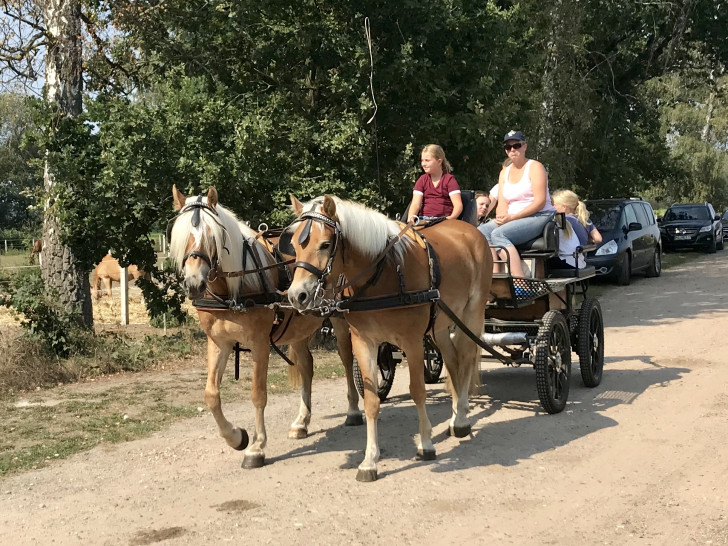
(631,239)
(724,221)
(692,225)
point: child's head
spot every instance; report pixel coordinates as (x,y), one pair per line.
(437,152)
(567,201)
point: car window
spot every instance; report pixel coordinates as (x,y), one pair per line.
(697,212)
(725,215)
(639,211)
(604,215)
(650,214)
(629,215)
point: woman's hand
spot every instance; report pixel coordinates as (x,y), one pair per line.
(503,219)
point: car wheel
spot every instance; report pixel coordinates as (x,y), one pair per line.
(712,247)
(719,244)
(624,270)
(655,267)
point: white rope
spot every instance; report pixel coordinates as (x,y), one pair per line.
(368,32)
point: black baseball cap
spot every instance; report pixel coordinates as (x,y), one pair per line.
(514,135)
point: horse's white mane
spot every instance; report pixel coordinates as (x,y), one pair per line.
(365,229)
(223,236)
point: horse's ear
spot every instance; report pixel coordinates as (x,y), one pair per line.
(178,197)
(329,207)
(297,205)
(212,197)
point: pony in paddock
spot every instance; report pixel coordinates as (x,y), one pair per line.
(212,249)
(108,271)
(35,251)
(390,298)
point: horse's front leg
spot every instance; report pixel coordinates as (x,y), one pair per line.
(217,355)
(260,353)
(415,352)
(366,353)
(343,342)
(301,355)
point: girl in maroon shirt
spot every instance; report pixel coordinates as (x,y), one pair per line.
(436,192)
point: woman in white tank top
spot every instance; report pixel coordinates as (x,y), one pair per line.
(524,204)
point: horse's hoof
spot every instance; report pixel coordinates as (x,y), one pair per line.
(366,475)
(296,433)
(243,440)
(460,432)
(253,461)
(354,420)
(426,455)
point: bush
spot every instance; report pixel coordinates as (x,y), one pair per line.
(164,297)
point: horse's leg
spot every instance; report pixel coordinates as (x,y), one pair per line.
(301,355)
(343,342)
(217,355)
(415,352)
(107,285)
(366,354)
(260,353)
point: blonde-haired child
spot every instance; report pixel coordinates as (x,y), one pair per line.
(568,202)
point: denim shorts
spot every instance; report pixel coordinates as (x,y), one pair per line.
(516,232)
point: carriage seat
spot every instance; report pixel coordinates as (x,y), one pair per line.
(546,244)
(470,208)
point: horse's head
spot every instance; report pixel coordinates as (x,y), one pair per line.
(195,239)
(316,240)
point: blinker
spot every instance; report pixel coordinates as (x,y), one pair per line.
(305,233)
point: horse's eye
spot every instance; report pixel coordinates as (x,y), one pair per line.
(325,245)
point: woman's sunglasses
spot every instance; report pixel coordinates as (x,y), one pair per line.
(516,146)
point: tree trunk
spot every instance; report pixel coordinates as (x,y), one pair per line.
(64,86)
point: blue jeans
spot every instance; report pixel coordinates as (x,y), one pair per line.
(516,232)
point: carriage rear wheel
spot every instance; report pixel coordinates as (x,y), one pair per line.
(433,362)
(590,346)
(387,366)
(553,362)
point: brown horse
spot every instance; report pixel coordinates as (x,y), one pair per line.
(207,239)
(35,251)
(109,271)
(340,237)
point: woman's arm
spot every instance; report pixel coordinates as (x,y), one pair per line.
(414,208)
(501,208)
(457,205)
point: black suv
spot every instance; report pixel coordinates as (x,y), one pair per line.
(692,225)
(630,238)
(724,220)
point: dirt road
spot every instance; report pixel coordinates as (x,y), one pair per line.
(641,459)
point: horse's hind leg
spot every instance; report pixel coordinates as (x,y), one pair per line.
(301,355)
(343,342)
(217,356)
(415,352)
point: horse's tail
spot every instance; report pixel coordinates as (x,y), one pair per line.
(294,377)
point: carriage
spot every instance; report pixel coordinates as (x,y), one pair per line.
(537,320)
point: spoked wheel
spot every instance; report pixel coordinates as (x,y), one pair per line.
(553,362)
(387,366)
(433,362)
(590,347)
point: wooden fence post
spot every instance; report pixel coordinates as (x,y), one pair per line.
(124,282)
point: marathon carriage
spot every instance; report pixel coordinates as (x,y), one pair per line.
(536,320)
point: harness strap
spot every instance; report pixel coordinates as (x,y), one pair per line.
(468,332)
(406,299)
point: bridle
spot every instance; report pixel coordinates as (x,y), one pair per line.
(197,207)
(320,274)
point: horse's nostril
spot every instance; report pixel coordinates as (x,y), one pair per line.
(302,297)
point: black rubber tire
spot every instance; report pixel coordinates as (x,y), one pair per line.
(387,367)
(553,362)
(624,270)
(720,244)
(655,267)
(713,247)
(590,347)
(433,362)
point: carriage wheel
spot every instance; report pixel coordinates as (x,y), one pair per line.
(433,362)
(590,346)
(553,362)
(387,367)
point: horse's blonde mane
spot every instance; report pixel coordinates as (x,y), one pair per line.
(224,239)
(365,229)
